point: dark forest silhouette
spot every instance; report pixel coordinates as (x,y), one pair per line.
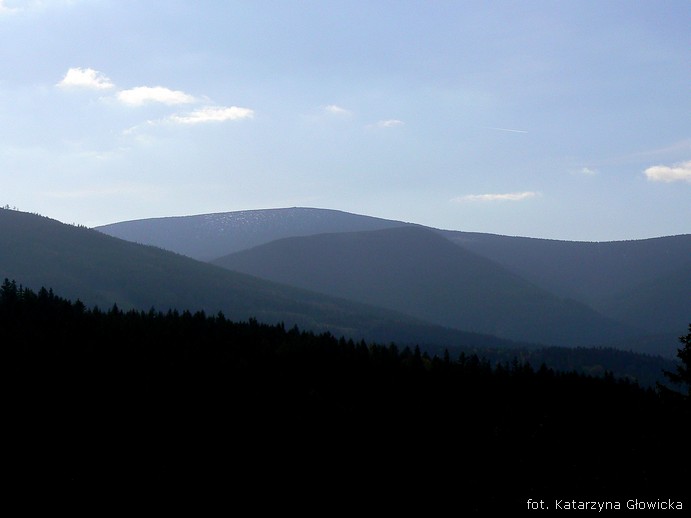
(146,401)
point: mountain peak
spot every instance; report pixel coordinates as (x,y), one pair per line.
(209,236)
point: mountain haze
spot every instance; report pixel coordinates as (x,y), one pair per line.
(84,264)
(641,284)
(658,304)
(644,283)
(637,282)
(416,271)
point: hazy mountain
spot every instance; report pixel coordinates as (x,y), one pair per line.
(642,282)
(102,270)
(416,271)
(659,304)
(209,236)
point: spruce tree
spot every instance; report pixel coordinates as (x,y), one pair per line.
(682,376)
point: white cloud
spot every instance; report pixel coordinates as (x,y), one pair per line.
(145,94)
(390,123)
(512,196)
(588,172)
(35,5)
(5,9)
(85,78)
(677,173)
(336,110)
(213,114)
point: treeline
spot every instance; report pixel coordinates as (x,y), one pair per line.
(105,400)
(643,369)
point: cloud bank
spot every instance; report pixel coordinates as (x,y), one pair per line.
(158,94)
(85,78)
(511,196)
(677,173)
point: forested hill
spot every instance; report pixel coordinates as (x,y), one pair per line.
(627,294)
(640,282)
(101,270)
(416,271)
(190,404)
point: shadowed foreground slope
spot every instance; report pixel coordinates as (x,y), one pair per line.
(181,406)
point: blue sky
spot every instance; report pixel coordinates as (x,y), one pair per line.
(559,119)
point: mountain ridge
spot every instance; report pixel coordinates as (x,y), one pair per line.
(597,274)
(418,272)
(36,251)
(100,270)
(208,236)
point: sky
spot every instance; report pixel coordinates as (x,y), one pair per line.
(555,119)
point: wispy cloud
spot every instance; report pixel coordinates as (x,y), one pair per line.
(5,9)
(85,78)
(506,129)
(681,146)
(677,173)
(511,196)
(34,5)
(587,171)
(389,123)
(158,94)
(213,114)
(336,110)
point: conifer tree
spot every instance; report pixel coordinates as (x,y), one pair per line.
(682,376)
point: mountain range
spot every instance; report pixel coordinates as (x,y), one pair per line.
(644,283)
(389,282)
(628,294)
(81,263)
(418,272)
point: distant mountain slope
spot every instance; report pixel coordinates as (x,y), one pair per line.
(101,270)
(209,236)
(660,304)
(640,282)
(643,282)
(416,271)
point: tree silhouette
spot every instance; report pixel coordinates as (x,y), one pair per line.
(682,376)
(188,401)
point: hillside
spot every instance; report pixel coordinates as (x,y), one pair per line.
(418,272)
(658,304)
(640,282)
(101,270)
(209,236)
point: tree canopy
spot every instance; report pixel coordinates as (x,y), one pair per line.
(187,402)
